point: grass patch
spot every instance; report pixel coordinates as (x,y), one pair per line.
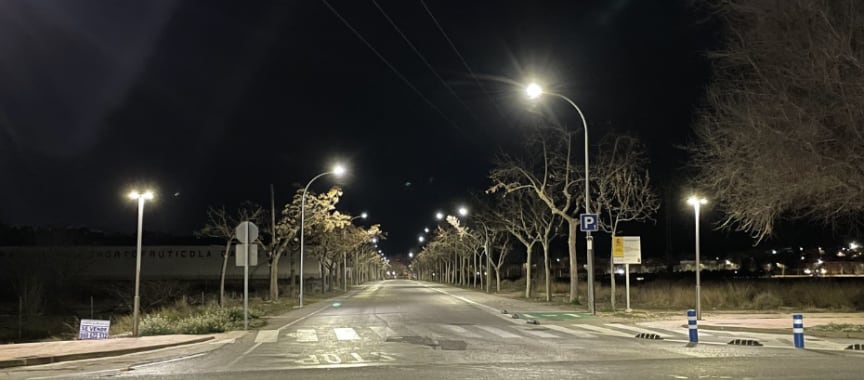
(838,327)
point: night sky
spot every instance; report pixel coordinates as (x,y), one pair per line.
(210,102)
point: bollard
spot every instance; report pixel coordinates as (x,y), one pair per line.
(798,330)
(691,324)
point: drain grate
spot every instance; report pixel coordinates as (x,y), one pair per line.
(649,336)
(532,322)
(745,342)
(856,347)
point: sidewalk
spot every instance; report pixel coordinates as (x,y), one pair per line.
(23,354)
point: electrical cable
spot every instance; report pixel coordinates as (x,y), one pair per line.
(422,58)
(393,68)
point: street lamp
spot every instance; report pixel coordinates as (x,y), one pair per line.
(141,197)
(463,211)
(534,91)
(421,238)
(696,202)
(439,215)
(338,171)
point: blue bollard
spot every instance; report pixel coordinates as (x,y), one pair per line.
(798,330)
(691,325)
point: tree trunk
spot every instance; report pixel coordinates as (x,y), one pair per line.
(548,277)
(528,271)
(274,278)
(612,279)
(574,267)
(224,269)
(498,279)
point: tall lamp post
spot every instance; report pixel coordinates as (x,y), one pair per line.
(141,197)
(696,202)
(534,91)
(338,170)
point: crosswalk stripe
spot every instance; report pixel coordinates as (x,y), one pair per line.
(346,333)
(498,332)
(580,334)
(540,334)
(383,331)
(267,336)
(307,335)
(461,331)
(602,330)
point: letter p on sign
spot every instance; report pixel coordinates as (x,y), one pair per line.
(588,222)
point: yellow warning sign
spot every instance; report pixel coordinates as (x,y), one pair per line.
(626,250)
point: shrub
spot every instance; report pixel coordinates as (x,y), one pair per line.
(767,300)
(156,324)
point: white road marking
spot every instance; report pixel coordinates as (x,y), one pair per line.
(461,331)
(267,336)
(529,316)
(346,333)
(498,332)
(601,330)
(574,315)
(540,334)
(565,330)
(383,331)
(307,335)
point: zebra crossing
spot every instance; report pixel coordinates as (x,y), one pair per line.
(469,331)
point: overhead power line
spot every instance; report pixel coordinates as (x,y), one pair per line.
(422,58)
(393,68)
(461,58)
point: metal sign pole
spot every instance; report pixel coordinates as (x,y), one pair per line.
(246,282)
(627,285)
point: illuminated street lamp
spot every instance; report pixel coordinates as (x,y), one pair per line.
(534,91)
(439,215)
(141,197)
(338,171)
(410,255)
(421,238)
(696,202)
(463,211)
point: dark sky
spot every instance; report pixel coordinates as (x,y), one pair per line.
(210,102)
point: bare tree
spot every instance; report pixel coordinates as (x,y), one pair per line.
(221,225)
(548,171)
(781,137)
(624,193)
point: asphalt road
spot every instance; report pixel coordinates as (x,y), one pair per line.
(403,329)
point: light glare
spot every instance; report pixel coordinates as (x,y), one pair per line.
(533,91)
(338,170)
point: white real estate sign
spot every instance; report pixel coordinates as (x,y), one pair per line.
(626,250)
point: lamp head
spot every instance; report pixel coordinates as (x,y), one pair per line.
(364,215)
(338,170)
(134,194)
(439,215)
(533,91)
(694,200)
(463,211)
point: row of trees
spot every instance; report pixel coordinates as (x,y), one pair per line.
(531,196)
(331,237)
(779,137)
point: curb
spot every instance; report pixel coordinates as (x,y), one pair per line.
(815,333)
(38,360)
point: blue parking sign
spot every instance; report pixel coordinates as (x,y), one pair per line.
(588,222)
